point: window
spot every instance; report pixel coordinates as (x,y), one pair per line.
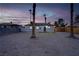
(30,27)
(47,26)
(37,27)
(2,26)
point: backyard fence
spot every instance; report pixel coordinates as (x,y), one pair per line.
(67,29)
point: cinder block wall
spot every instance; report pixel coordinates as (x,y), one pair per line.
(60,29)
(66,29)
(76,29)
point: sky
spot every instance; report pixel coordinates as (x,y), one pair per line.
(19,12)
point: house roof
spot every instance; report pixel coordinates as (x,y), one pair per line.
(40,24)
(9,24)
(76,24)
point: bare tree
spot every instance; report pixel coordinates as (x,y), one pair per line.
(33,25)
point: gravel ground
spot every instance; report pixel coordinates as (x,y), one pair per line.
(46,44)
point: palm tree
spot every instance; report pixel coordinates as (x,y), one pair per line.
(71,21)
(30,14)
(45,22)
(45,17)
(33,25)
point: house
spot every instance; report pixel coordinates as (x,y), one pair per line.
(9,27)
(40,27)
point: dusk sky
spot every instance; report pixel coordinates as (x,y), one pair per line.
(20,11)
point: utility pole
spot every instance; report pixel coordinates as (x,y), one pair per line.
(33,23)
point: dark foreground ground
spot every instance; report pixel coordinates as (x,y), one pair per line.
(46,44)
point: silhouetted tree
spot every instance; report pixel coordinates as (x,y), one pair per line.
(49,23)
(56,23)
(31,23)
(71,21)
(33,26)
(62,25)
(11,22)
(60,22)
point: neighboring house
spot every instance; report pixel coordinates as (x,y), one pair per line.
(40,27)
(9,27)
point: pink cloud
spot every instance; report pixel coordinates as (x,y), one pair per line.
(39,19)
(14,12)
(21,17)
(57,13)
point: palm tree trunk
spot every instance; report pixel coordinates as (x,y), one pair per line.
(33,25)
(45,25)
(45,20)
(71,21)
(30,14)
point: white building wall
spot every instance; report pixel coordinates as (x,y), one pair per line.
(38,29)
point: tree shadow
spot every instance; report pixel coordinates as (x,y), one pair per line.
(73,37)
(6,34)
